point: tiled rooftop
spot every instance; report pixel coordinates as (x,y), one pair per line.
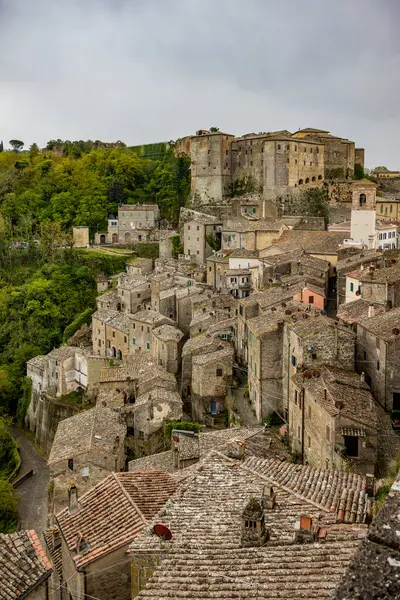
(94,430)
(168,333)
(113,512)
(130,282)
(148,316)
(305,327)
(384,325)
(318,242)
(387,274)
(343,386)
(120,321)
(23,564)
(105,315)
(140,364)
(204,559)
(37,361)
(62,353)
(354,260)
(353,312)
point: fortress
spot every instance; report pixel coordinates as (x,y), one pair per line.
(266,164)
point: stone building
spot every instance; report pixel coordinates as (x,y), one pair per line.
(388,208)
(140,266)
(166,347)
(117,336)
(378,356)
(340,154)
(250,234)
(216,265)
(313,343)
(210,155)
(25,569)
(109,300)
(80,237)
(141,325)
(86,448)
(198,231)
(145,419)
(333,420)
(97,527)
(265,356)
(133,291)
(297,503)
(211,375)
(354,262)
(380,284)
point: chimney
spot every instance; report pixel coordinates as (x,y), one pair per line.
(236,449)
(304,531)
(371,311)
(268,499)
(254,532)
(73,505)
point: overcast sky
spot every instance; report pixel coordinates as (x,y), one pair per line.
(154,70)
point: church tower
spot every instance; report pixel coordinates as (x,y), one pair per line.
(363,213)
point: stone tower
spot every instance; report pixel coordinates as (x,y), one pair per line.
(211,166)
(363,213)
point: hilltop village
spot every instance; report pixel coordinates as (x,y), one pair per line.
(222,427)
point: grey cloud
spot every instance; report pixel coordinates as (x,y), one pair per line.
(149,70)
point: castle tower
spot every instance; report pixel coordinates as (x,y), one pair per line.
(211,166)
(363,213)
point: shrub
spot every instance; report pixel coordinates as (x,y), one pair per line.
(84,317)
(8,508)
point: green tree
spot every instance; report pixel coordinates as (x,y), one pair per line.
(8,508)
(214,129)
(33,150)
(358,171)
(16,145)
(1,146)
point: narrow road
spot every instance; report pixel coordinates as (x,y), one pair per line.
(33,492)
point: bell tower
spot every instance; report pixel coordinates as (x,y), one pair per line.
(363,213)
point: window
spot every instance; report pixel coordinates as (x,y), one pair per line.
(310,150)
(148,346)
(99,342)
(300,181)
(113,334)
(219,372)
(198,228)
(391,208)
(141,435)
(377,365)
(188,227)
(279,146)
(378,342)
(125,339)
(352,287)
(142,328)
(381,208)
(133,326)
(309,441)
(304,164)
(314,356)
(294,360)
(298,431)
(307,180)
(365,356)
(351,444)
(148,330)
(328,433)
(133,341)
(311,300)
(363,199)
(71,464)
(305,149)
(309,412)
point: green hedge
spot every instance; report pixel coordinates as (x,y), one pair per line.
(148,250)
(182,426)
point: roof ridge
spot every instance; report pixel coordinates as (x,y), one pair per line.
(145,522)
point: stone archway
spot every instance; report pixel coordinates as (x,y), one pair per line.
(102,238)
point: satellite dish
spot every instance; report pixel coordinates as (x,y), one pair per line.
(162,531)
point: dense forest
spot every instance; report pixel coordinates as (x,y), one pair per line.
(81,183)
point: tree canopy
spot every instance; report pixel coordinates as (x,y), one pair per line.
(81,183)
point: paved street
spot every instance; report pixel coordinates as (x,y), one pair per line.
(33,492)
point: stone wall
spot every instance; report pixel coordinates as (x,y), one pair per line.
(43,417)
(211,166)
(109,577)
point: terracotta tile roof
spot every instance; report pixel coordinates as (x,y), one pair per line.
(23,564)
(113,512)
(149,316)
(321,487)
(204,559)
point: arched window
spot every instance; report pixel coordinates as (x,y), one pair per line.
(319,177)
(363,199)
(313,179)
(300,182)
(307,180)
